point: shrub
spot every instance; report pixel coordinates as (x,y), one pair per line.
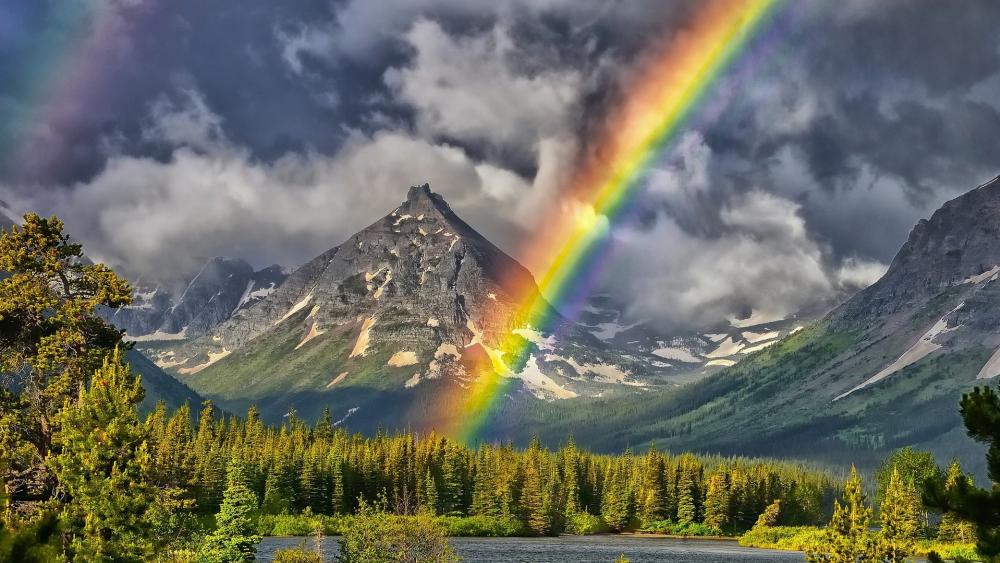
(795,538)
(296,555)
(585,524)
(680,528)
(482,526)
(379,537)
(300,524)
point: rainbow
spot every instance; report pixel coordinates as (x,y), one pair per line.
(65,72)
(668,89)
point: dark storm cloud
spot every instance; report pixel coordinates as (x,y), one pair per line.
(229,118)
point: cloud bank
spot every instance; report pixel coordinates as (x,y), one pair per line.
(272,131)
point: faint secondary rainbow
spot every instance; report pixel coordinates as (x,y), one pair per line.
(667,91)
(64,71)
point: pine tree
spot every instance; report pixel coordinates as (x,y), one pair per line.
(900,519)
(717,501)
(451,492)
(51,342)
(104,465)
(430,496)
(234,540)
(209,467)
(952,528)
(980,411)
(532,501)
(770,516)
(571,478)
(653,507)
(687,510)
(847,538)
(337,485)
(614,498)
(484,491)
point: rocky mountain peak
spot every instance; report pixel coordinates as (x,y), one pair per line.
(957,244)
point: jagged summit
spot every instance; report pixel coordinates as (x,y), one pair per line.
(407,308)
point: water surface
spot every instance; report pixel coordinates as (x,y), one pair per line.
(577,549)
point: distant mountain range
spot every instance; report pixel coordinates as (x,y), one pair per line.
(883,370)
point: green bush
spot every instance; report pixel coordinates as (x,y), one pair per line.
(949,551)
(584,524)
(296,555)
(794,538)
(300,524)
(379,537)
(680,528)
(482,526)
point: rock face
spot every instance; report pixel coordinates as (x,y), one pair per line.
(193,307)
(958,243)
(407,310)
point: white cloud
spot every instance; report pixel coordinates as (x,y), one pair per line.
(187,123)
(210,197)
(468,89)
(856,273)
(766,263)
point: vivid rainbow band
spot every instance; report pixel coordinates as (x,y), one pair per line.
(650,120)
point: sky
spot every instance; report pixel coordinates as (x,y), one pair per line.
(164,133)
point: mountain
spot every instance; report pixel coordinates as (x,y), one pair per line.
(190,308)
(160,386)
(883,370)
(391,326)
(686,355)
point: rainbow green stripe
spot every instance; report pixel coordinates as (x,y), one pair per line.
(650,121)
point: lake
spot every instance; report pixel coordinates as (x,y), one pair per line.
(578,549)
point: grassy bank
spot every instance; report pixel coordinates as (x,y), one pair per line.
(308,525)
(580,524)
(801,538)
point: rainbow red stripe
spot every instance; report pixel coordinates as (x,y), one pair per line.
(669,89)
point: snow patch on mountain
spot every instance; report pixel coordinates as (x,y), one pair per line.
(726,348)
(921,349)
(992,367)
(212,358)
(361,345)
(158,336)
(536,338)
(759,347)
(402,358)
(340,377)
(988,275)
(312,327)
(541,385)
(295,308)
(676,353)
(755,337)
